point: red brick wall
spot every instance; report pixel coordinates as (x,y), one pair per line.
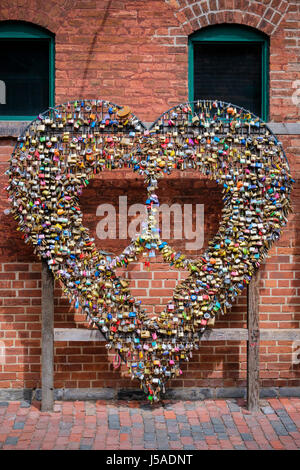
(135,53)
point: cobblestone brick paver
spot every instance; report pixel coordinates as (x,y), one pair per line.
(132,425)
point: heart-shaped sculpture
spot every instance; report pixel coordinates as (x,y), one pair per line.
(65,147)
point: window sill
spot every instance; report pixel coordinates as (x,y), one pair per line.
(16,128)
(278,128)
(12,128)
(285,128)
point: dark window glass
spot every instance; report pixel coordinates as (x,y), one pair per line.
(229,72)
(24,69)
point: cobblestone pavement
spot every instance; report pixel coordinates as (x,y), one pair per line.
(180,425)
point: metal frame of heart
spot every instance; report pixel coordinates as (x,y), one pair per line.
(66,146)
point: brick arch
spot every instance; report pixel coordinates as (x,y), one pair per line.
(195,14)
(51,16)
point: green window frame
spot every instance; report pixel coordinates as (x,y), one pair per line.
(18,30)
(227,34)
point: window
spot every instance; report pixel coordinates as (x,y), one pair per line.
(230,63)
(26,70)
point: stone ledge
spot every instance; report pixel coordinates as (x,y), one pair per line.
(15,128)
(201,393)
(278,128)
(16,394)
(282,128)
(12,128)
